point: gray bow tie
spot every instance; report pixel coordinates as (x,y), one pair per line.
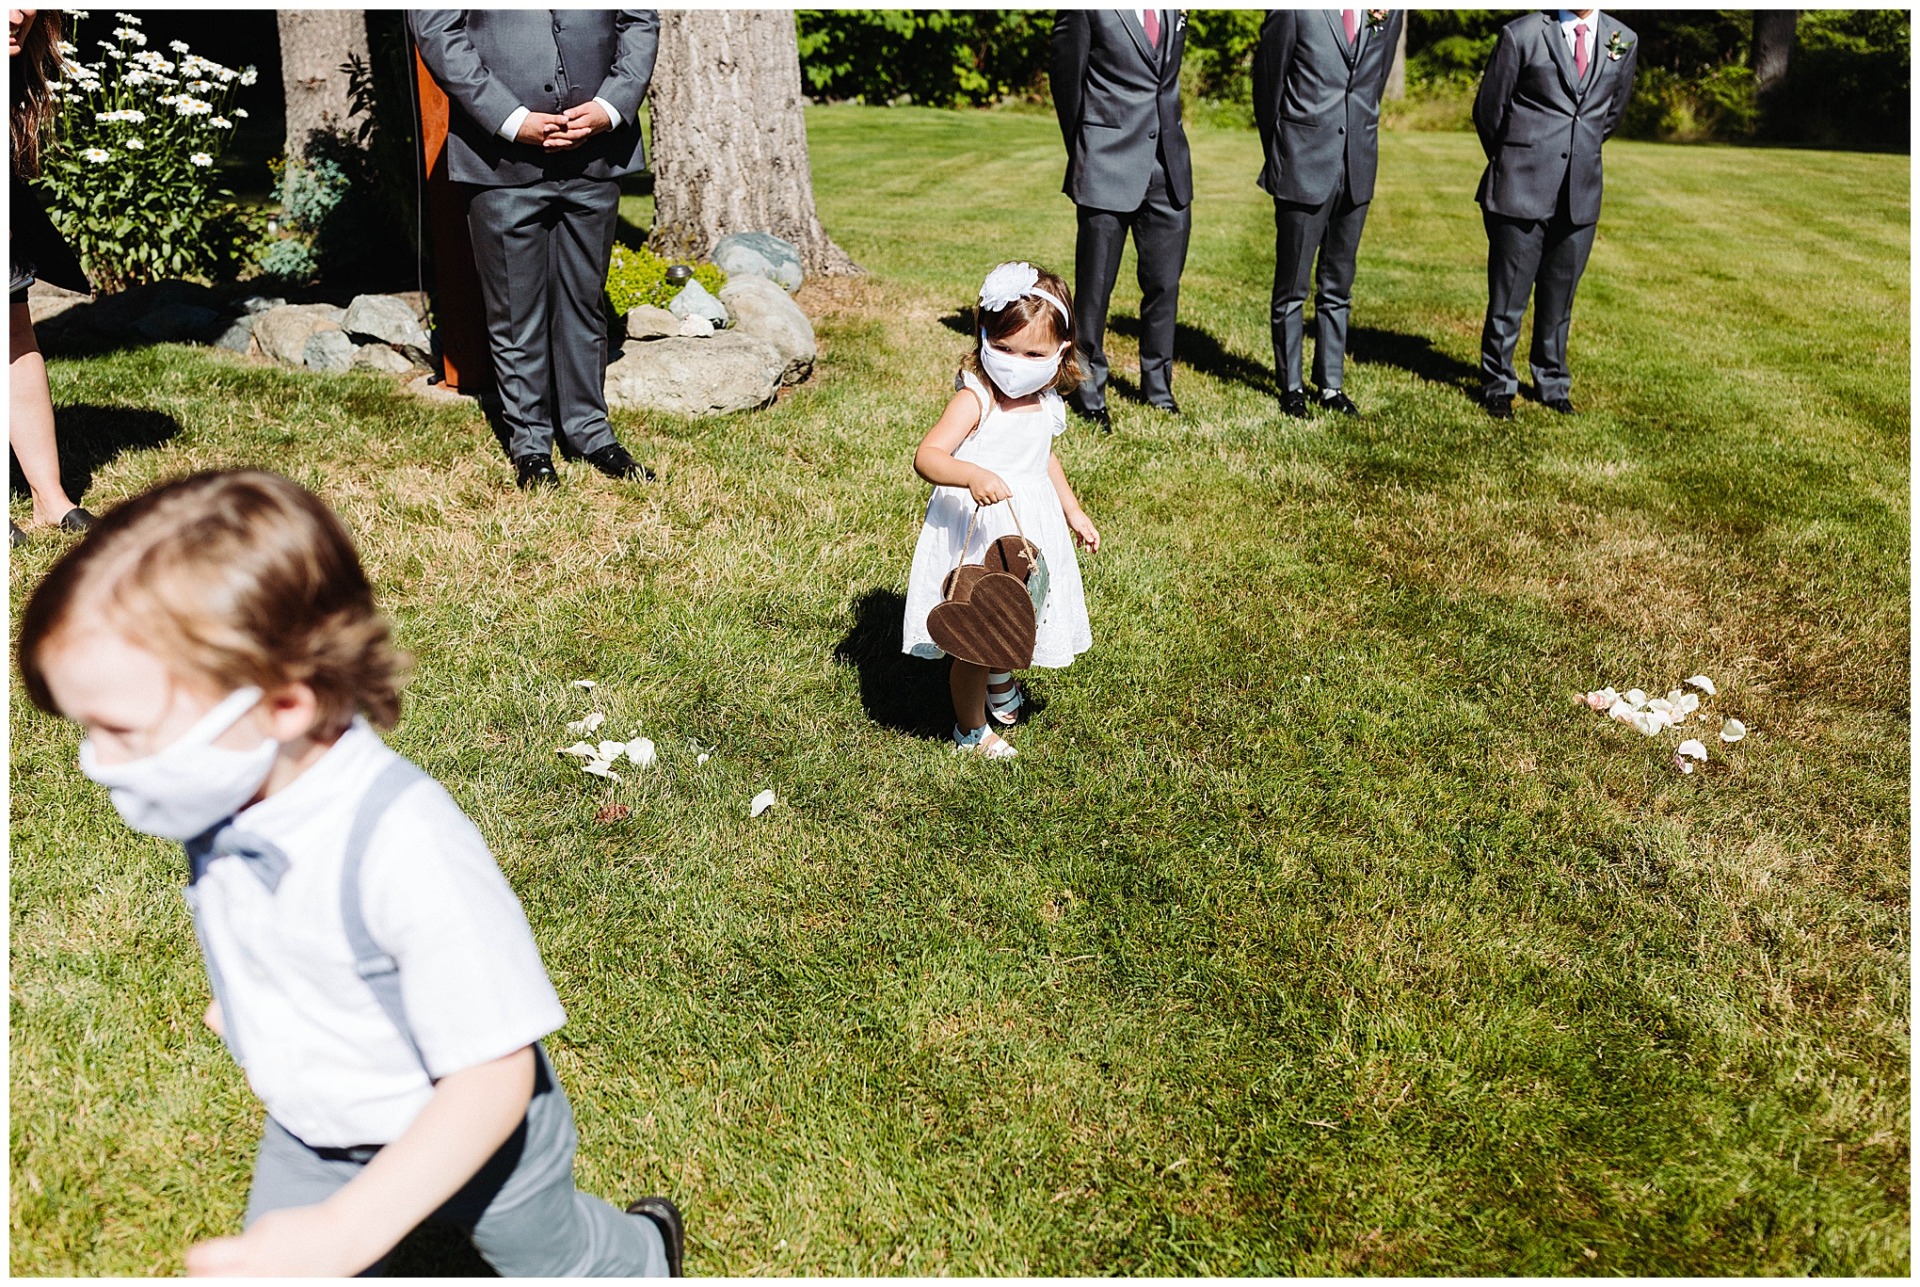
(224,840)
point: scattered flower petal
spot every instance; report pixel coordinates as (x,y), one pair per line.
(1622,711)
(580,748)
(640,751)
(1693,748)
(611,751)
(1733,730)
(1634,697)
(1704,684)
(1683,764)
(601,769)
(1602,699)
(1662,705)
(585,683)
(761,803)
(588,724)
(1683,702)
(702,759)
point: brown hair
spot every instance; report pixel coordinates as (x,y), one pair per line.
(999,323)
(239,576)
(34,67)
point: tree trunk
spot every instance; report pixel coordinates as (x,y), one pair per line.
(313,45)
(1397,74)
(730,138)
(1773,37)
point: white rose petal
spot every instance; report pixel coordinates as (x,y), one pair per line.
(585,683)
(1621,711)
(1660,704)
(761,803)
(1683,764)
(1693,748)
(588,724)
(1733,730)
(1634,698)
(1602,699)
(610,751)
(640,751)
(600,769)
(1684,703)
(580,748)
(702,759)
(1704,684)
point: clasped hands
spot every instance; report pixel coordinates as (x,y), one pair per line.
(563,131)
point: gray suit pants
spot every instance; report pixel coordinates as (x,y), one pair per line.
(1543,258)
(542,252)
(1332,230)
(525,1217)
(1160,233)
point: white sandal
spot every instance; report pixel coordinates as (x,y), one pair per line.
(1005,707)
(983,741)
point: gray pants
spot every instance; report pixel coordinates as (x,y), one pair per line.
(542,252)
(521,1209)
(1160,232)
(1330,230)
(1543,258)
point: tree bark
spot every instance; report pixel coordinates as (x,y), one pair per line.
(1773,36)
(730,136)
(313,45)
(1397,74)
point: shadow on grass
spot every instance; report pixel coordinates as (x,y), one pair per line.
(909,694)
(91,436)
(437,1251)
(1415,355)
(1198,351)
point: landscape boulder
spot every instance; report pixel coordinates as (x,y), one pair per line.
(386,320)
(759,254)
(763,311)
(646,322)
(729,372)
(695,300)
(381,357)
(328,350)
(173,322)
(283,332)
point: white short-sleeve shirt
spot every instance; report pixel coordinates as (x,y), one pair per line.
(327,1061)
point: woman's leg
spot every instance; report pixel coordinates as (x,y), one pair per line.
(30,420)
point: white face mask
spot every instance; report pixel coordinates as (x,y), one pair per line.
(1018,376)
(180,792)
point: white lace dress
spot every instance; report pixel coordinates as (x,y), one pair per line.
(1014,445)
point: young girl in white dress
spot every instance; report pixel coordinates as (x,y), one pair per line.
(991,452)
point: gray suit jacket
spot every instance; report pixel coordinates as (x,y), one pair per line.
(1118,104)
(491,61)
(1316,100)
(1540,127)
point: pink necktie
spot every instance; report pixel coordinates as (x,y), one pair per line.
(1580,49)
(1151,21)
(1351,18)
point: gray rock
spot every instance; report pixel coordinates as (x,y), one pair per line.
(46,301)
(173,322)
(696,328)
(387,320)
(381,357)
(763,311)
(238,335)
(730,372)
(694,300)
(645,322)
(760,254)
(283,332)
(259,303)
(329,350)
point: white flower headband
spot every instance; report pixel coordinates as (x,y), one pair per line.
(1010,282)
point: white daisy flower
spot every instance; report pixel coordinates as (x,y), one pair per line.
(128,17)
(240,113)
(201,159)
(134,145)
(192,106)
(250,75)
(221,123)
(178,46)
(96,155)
(128,33)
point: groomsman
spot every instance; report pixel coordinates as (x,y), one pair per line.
(1317,81)
(1116,88)
(1552,94)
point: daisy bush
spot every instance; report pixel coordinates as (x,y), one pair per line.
(131,175)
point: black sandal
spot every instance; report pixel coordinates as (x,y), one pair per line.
(77,520)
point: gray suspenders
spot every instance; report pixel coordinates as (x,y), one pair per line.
(381,971)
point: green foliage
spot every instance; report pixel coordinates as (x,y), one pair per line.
(1850,80)
(637,276)
(1216,73)
(130,179)
(936,57)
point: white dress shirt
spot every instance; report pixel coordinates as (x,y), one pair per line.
(1568,21)
(510,128)
(327,1061)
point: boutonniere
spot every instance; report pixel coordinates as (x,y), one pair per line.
(1376,19)
(1617,48)
(1180,20)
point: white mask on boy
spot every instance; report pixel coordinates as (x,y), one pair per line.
(1018,376)
(180,792)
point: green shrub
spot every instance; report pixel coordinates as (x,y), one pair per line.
(130,177)
(638,276)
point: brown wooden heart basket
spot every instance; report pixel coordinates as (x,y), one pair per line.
(990,611)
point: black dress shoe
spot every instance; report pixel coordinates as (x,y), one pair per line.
(535,471)
(15,537)
(1099,416)
(1498,405)
(1562,405)
(1171,407)
(1294,403)
(78,520)
(666,1217)
(613,461)
(1338,401)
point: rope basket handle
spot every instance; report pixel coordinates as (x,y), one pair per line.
(1032,554)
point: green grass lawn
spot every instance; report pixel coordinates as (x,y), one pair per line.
(1315,930)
